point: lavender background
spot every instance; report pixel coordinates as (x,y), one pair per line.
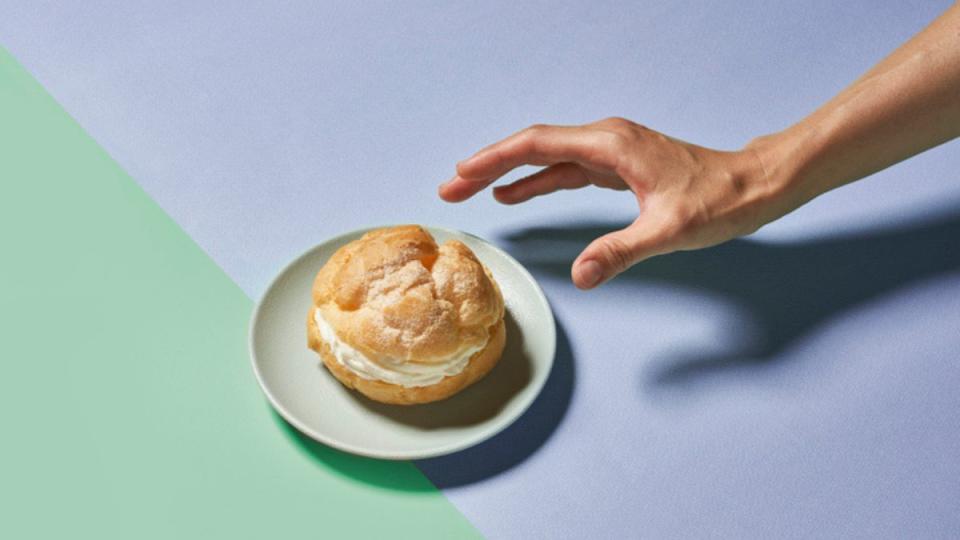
(799,383)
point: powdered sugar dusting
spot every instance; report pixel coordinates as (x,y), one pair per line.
(417,303)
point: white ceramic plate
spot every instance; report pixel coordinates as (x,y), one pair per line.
(301,389)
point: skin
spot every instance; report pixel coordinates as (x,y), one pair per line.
(691,197)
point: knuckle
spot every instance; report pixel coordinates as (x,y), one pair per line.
(535,129)
(616,122)
(615,149)
(618,142)
(614,145)
(530,138)
(617,252)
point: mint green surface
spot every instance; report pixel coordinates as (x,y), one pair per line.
(128,408)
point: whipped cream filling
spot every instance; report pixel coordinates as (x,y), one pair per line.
(400,372)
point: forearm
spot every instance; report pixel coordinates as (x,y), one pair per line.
(692,197)
(906,104)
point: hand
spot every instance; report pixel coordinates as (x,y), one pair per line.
(688,196)
(691,197)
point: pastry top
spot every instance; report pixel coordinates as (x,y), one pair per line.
(396,296)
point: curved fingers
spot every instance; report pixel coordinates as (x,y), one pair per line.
(589,147)
(553,178)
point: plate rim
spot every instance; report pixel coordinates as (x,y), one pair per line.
(450,448)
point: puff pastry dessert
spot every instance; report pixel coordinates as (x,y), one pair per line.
(403,320)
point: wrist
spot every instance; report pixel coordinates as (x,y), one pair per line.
(785,159)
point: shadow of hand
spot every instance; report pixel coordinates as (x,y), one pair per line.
(788,289)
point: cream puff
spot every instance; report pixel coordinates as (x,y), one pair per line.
(404,321)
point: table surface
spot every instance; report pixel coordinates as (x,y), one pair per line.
(800,382)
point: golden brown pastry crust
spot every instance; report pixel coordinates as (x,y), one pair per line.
(395,294)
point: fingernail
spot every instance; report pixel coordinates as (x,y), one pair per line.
(590,273)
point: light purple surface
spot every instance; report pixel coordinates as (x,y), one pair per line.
(263,130)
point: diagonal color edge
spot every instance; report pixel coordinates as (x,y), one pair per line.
(126,394)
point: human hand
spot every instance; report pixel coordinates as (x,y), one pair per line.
(689,197)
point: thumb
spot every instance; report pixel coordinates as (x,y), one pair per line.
(613,253)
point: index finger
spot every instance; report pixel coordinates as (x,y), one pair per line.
(536,145)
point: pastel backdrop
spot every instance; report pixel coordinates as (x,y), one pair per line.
(797,383)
